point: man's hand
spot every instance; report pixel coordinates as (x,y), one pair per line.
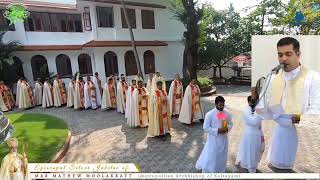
(222,130)
(295,120)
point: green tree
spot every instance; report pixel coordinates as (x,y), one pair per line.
(310,10)
(6,58)
(225,38)
(190,14)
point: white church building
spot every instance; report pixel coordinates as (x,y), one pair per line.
(92,36)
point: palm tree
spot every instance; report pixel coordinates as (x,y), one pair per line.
(190,15)
(6,50)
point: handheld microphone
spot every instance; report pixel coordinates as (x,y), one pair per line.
(276,69)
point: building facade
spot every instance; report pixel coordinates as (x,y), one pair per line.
(92,36)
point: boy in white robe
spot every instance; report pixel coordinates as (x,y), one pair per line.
(47,97)
(38,92)
(90,95)
(149,83)
(252,141)
(121,94)
(95,79)
(175,95)
(295,92)
(217,123)
(191,109)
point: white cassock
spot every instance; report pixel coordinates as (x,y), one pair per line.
(175,97)
(129,113)
(213,158)
(109,99)
(18,92)
(25,96)
(283,148)
(90,95)
(149,84)
(121,96)
(98,92)
(191,107)
(57,99)
(38,93)
(252,141)
(70,97)
(47,100)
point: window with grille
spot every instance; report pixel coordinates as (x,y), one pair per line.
(85,66)
(105,17)
(63,65)
(131,16)
(130,64)
(147,18)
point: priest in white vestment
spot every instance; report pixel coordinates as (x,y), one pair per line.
(252,142)
(139,106)
(109,100)
(129,94)
(176,95)
(71,88)
(157,77)
(291,93)
(90,95)
(95,79)
(149,82)
(217,123)
(18,91)
(38,92)
(79,100)
(26,98)
(59,92)
(47,96)
(191,109)
(14,166)
(160,122)
(121,94)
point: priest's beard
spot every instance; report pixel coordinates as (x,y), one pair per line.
(220,109)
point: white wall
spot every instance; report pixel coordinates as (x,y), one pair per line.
(265,57)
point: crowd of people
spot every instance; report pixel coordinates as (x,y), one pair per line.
(144,105)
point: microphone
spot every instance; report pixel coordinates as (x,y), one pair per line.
(277,68)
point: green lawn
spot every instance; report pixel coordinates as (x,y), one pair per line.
(43,135)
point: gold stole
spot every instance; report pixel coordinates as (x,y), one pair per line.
(294,91)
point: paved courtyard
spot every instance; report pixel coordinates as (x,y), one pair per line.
(104,137)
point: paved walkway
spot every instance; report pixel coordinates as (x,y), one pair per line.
(103,137)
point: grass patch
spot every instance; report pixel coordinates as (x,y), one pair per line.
(43,135)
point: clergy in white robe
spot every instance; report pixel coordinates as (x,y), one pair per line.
(18,91)
(109,100)
(129,114)
(252,142)
(26,99)
(96,75)
(14,166)
(176,95)
(71,88)
(38,93)
(121,94)
(294,91)
(149,82)
(47,96)
(191,109)
(160,124)
(217,123)
(79,100)
(59,92)
(157,77)
(6,98)
(139,106)
(90,94)
(98,92)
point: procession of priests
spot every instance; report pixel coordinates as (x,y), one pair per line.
(290,95)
